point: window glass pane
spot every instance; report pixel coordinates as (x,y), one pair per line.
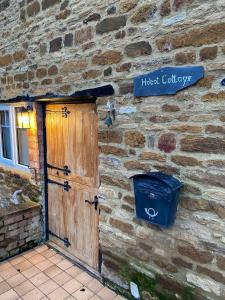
(5,135)
(22,146)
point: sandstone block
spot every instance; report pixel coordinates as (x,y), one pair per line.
(208,53)
(65,89)
(19,55)
(182,263)
(203,144)
(124,67)
(121,183)
(111,24)
(126,6)
(83,35)
(214,129)
(48,3)
(127,208)
(206,81)
(185,58)
(92,18)
(170,108)
(139,254)
(53,70)
(136,165)
(169,283)
(179,3)
(33,9)
(213,97)
(91,74)
(88,46)
(114,150)
(186,128)
(20,77)
(165,8)
(221,262)
(185,161)
(121,225)
(167,142)
(167,169)
(135,139)
(120,34)
(110,136)
(128,199)
(63,14)
(138,49)
(107,58)
(41,72)
(5,60)
(218,209)
(210,34)
(162,263)
(212,274)
(46,81)
(152,156)
(209,178)
(198,255)
(73,66)
(144,13)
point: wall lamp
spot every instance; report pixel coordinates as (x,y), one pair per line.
(23,116)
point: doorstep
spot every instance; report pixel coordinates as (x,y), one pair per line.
(42,273)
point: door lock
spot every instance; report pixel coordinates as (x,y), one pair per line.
(95,202)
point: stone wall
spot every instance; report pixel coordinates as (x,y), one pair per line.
(20,229)
(66,46)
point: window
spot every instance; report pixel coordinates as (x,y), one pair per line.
(13,139)
(5,135)
(22,142)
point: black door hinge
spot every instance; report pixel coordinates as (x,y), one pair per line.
(65,185)
(65,169)
(65,240)
(64,111)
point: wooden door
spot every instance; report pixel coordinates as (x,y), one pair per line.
(72,162)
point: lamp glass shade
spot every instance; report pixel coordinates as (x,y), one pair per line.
(22,118)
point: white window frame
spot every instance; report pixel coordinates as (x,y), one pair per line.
(12,163)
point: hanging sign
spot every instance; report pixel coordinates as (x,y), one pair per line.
(167,81)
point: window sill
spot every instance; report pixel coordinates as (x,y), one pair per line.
(10,166)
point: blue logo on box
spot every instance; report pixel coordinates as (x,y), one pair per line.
(167,81)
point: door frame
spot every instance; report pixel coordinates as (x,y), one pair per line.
(66,100)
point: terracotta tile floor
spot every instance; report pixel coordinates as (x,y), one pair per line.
(43,274)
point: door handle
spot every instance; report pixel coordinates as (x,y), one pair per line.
(95,202)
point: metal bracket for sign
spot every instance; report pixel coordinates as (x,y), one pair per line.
(65,185)
(65,240)
(64,111)
(65,169)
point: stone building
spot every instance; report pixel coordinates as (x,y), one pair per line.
(63,66)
